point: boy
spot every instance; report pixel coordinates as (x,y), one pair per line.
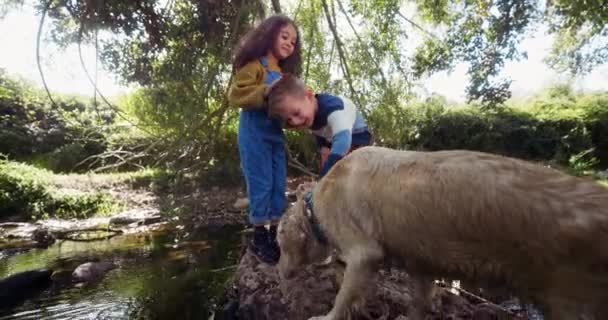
(335,122)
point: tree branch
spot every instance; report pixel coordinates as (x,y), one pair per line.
(292,162)
(417,26)
(46,87)
(341,53)
(309,51)
(295,15)
(362,43)
(276,6)
(94,84)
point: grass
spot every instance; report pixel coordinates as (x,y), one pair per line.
(31,192)
(36,193)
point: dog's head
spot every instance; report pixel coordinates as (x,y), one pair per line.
(298,245)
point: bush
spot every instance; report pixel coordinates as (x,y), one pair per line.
(595,116)
(22,191)
(582,163)
(68,157)
(26,191)
(81,206)
(555,126)
(31,129)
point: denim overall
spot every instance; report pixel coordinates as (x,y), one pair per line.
(263,160)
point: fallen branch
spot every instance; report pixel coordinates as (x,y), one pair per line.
(234,266)
(64,235)
(444,284)
(298,166)
(294,163)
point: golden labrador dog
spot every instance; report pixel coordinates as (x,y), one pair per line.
(466,215)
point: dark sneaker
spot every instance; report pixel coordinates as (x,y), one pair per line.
(272,239)
(274,247)
(263,251)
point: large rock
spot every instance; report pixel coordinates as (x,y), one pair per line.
(18,287)
(43,237)
(91,271)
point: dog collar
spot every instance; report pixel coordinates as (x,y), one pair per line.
(312,219)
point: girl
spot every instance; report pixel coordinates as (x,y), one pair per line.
(271,48)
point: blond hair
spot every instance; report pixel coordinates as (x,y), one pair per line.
(288,85)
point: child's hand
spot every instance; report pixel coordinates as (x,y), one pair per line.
(267,91)
(269,87)
(324,152)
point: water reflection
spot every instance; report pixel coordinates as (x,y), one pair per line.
(160,276)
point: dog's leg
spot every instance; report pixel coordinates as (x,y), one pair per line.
(361,264)
(559,309)
(422,294)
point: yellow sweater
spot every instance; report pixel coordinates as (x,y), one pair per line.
(247,89)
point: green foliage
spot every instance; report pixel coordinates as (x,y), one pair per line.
(179,53)
(602,178)
(582,34)
(581,164)
(55,138)
(26,191)
(557,125)
(403,125)
(81,206)
(159,44)
(22,190)
(595,116)
(8,5)
(483,33)
(302,147)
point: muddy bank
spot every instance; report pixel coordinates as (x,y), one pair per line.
(259,293)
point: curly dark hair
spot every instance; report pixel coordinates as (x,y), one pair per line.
(257,42)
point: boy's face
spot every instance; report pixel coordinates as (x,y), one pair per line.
(298,111)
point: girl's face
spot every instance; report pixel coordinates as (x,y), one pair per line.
(285,43)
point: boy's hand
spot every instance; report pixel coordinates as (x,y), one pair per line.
(328,164)
(324,153)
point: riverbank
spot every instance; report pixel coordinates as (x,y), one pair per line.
(175,210)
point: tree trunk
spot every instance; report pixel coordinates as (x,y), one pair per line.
(276,6)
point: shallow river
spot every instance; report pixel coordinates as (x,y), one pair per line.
(175,275)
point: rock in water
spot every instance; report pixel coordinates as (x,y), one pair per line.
(21,286)
(43,237)
(91,271)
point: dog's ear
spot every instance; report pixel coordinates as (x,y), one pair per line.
(301,210)
(303,188)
